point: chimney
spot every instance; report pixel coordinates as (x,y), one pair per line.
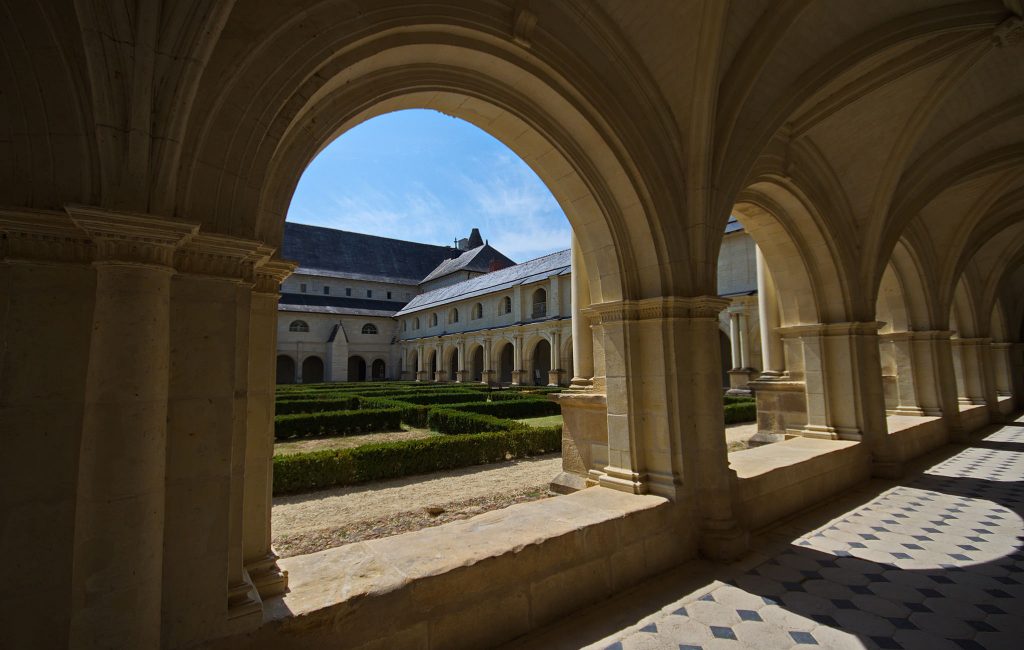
(475,239)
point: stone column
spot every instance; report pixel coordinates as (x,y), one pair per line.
(741,317)
(463,375)
(487,374)
(47,289)
(119,525)
(971,384)
(422,374)
(901,346)
(773,357)
(440,372)
(518,374)
(1002,365)
(554,374)
(734,339)
(946,379)
(258,555)
(582,337)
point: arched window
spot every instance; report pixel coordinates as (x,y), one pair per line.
(478,311)
(405,326)
(369,328)
(298,326)
(454,316)
(433,320)
(506,306)
(416,324)
(540,303)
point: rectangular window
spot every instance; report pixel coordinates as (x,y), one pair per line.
(348,291)
(369,294)
(327,291)
(302,287)
(389,295)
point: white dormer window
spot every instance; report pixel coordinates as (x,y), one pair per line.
(298,325)
(369,328)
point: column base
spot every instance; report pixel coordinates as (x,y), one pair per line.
(422,375)
(440,377)
(244,600)
(517,377)
(723,541)
(462,376)
(567,483)
(623,480)
(554,377)
(581,383)
(268,578)
(487,377)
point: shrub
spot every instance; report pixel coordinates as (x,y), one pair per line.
(284,407)
(734,399)
(515,409)
(443,398)
(741,412)
(414,415)
(507,395)
(459,422)
(300,425)
(321,469)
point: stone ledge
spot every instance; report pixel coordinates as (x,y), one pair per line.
(780,479)
(476,582)
(911,436)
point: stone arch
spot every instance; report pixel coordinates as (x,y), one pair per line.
(916,297)
(963,319)
(379,370)
(430,363)
(312,370)
(412,363)
(504,361)
(356,368)
(450,366)
(539,303)
(475,362)
(785,226)
(285,369)
(327,90)
(540,362)
(565,356)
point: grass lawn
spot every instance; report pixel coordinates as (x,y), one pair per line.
(348,442)
(546,421)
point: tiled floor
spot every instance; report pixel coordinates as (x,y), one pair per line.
(934,563)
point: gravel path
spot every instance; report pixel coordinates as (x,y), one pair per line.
(306,523)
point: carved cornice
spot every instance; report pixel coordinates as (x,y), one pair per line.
(132,238)
(831,329)
(706,307)
(270,274)
(42,236)
(916,335)
(219,256)
(972,341)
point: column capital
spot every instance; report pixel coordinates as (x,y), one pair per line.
(43,236)
(220,256)
(832,329)
(132,238)
(271,274)
(656,308)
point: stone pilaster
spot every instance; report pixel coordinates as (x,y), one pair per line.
(582,337)
(773,357)
(1002,365)
(258,555)
(119,524)
(518,373)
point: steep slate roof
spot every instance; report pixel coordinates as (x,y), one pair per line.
(317,304)
(530,271)
(481,259)
(339,253)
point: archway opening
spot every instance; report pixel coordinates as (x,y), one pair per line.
(356,368)
(476,364)
(453,365)
(506,362)
(312,370)
(285,369)
(541,363)
(379,370)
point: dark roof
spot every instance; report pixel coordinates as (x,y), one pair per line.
(315,303)
(348,254)
(475,239)
(482,259)
(530,271)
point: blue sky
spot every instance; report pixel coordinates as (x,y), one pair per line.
(424,176)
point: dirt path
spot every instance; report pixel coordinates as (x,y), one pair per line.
(306,523)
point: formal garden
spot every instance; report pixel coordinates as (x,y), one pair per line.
(347,433)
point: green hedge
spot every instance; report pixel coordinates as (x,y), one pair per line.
(301,425)
(285,407)
(442,398)
(322,469)
(459,422)
(506,395)
(515,409)
(740,412)
(733,399)
(415,415)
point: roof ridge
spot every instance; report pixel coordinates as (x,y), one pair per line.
(363,234)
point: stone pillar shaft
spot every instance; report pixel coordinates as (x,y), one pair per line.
(1002,365)
(744,341)
(582,337)
(773,357)
(734,340)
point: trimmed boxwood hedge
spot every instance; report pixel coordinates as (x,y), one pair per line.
(515,409)
(733,399)
(459,422)
(301,425)
(322,469)
(415,415)
(442,398)
(285,407)
(740,412)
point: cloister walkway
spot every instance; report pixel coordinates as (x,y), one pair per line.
(934,561)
